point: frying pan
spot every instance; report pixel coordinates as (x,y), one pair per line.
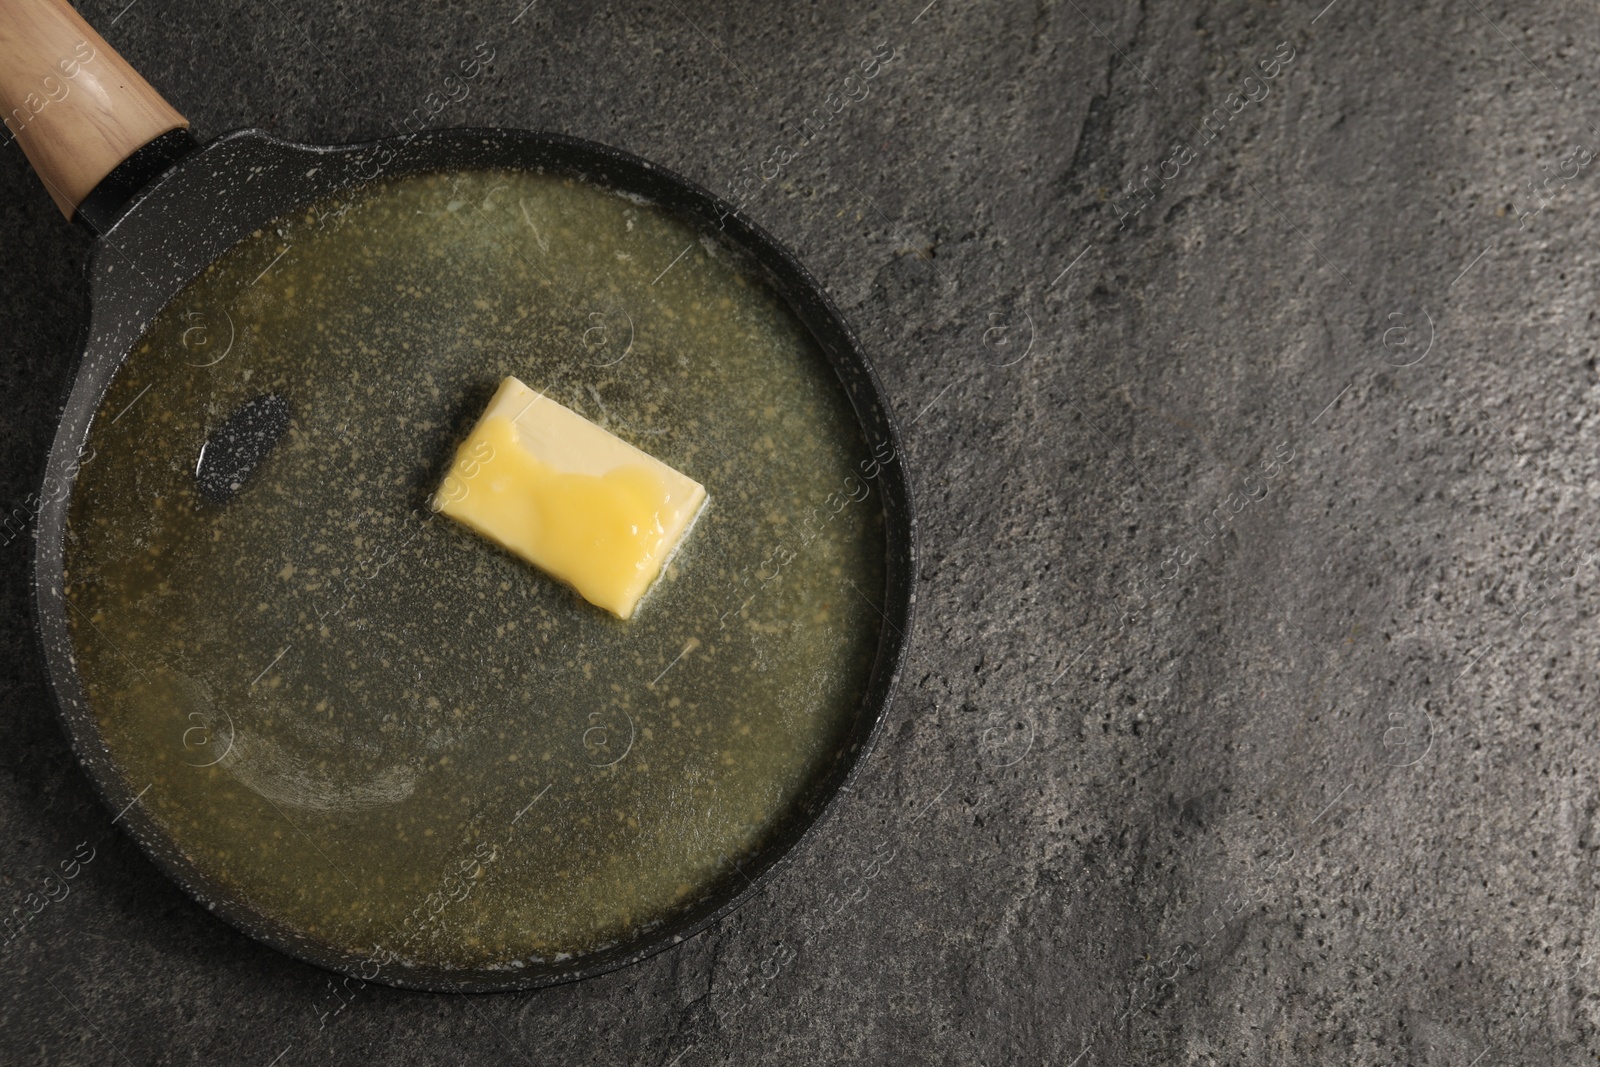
(120,160)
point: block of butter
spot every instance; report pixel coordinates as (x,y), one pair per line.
(583,506)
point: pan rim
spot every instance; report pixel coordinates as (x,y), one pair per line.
(791,281)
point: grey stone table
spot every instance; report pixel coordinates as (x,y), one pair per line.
(1246,354)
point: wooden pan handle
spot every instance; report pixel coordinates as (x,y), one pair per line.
(74,105)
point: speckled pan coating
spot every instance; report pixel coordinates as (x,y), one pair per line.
(242,180)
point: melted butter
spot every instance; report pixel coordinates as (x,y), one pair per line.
(605,535)
(371,728)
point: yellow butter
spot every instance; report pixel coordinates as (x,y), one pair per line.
(582,505)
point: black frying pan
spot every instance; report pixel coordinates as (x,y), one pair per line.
(165,207)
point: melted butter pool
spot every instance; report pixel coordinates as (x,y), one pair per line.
(374,727)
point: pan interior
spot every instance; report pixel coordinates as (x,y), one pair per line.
(377,731)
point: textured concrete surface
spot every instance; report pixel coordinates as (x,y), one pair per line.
(1249,718)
